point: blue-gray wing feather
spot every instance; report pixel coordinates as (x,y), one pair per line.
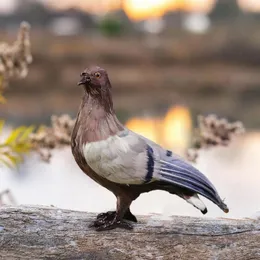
(183,174)
(174,169)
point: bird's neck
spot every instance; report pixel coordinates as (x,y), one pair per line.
(97,118)
(102,99)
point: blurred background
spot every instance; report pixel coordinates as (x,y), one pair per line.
(168,61)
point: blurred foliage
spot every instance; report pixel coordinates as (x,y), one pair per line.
(14,60)
(58,135)
(111,26)
(15,145)
(211,132)
(225,10)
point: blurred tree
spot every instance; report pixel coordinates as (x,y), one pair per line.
(111,26)
(34,12)
(116,22)
(225,10)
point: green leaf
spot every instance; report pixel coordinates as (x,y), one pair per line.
(4,160)
(14,135)
(25,135)
(21,148)
(16,144)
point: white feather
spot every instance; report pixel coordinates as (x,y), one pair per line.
(196,202)
(121,158)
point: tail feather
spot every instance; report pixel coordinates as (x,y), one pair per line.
(196,202)
(190,186)
(188,170)
(188,180)
(180,173)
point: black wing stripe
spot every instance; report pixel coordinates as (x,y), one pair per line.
(150,164)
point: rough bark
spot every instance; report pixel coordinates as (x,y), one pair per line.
(50,233)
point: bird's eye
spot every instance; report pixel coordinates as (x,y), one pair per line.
(97,75)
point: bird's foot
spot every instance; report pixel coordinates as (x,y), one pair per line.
(106,215)
(109,216)
(104,218)
(114,223)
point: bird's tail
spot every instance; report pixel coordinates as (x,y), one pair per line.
(223,206)
(184,175)
(195,201)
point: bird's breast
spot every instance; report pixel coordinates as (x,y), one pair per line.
(104,156)
(114,160)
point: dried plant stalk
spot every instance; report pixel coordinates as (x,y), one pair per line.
(213,131)
(15,58)
(56,136)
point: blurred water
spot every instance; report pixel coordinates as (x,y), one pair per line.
(234,171)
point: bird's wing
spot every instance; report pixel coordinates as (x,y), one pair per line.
(173,169)
(123,158)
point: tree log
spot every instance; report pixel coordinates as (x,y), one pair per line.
(51,233)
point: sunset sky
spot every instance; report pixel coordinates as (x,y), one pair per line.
(137,9)
(140,9)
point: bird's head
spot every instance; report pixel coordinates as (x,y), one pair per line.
(97,85)
(95,80)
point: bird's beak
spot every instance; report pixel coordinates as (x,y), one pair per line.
(84,80)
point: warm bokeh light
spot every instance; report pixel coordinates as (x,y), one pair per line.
(250,5)
(177,128)
(137,9)
(190,5)
(172,132)
(142,9)
(145,127)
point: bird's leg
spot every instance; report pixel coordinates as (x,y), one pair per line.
(117,219)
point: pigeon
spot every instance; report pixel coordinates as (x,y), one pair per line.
(126,163)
